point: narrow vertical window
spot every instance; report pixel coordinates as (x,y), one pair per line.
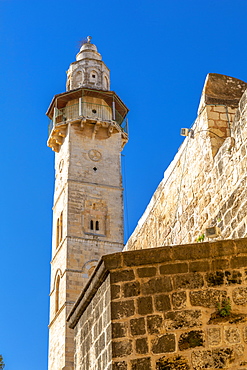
(91,224)
(106,83)
(61,228)
(57,234)
(57,303)
(97,225)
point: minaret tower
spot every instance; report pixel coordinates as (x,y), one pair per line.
(87,132)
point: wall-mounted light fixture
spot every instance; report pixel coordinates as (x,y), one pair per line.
(213,232)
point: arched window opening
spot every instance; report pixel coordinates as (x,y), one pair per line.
(91,225)
(61,227)
(106,83)
(59,230)
(57,303)
(93,77)
(57,234)
(78,79)
(97,225)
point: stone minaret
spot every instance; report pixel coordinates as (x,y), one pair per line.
(87,132)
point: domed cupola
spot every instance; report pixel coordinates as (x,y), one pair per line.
(88,70)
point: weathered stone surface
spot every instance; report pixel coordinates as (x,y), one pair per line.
(122,309)
(179,300)
(141,364)
(122,348)
(142,346)
(145,257)
(115,291)
(202,359)
(131,289)
(113,261)
(144,305)
(245,333)
(217,359)
(239,295)
(232,335)
(119,329)
(119,365)
(241,246)
(207,298)
(157,285)
(214,336)
(190,252)
(182,319)
(172,363)
(137,326)
(174,268)
(191,339)
(189,281)
(162,302)
(163,344)
(199,266)
(100,344)
(146,271)
(240,261)
(215,278)
(154,324)
(122,275)
(233,277)
(222,357)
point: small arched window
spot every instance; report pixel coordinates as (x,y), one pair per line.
(106,83)
(91,225)
(61,227)
(59,230)
(93,77)
(78,79)
(57,234)
(97,225)
(57,303)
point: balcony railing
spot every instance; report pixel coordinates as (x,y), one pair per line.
(88,110)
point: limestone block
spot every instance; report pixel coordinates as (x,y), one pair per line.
(162,302)
(214,336)
(189,281)
(182,319)
(122,309)
(179,300)
(141,346)
(239,296)
(145,305)
(121,348)
(232,335)
(207,298)
(141,364)
(163,344)
(157,285)
(191,339)
(154,324)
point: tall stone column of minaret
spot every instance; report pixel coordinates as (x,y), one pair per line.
(87,132)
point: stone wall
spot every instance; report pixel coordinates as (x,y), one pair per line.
(170,308)
(93,332)
(205,185)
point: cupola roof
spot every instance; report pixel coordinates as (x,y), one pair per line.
(88,51)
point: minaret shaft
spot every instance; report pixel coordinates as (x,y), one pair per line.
(87,136)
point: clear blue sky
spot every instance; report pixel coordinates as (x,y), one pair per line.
(159,53)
